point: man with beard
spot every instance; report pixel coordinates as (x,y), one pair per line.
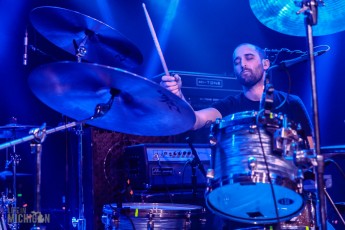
(250,65)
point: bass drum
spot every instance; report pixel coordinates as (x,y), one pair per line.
(136,216)
(239,187)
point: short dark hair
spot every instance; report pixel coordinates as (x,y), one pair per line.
(261,52)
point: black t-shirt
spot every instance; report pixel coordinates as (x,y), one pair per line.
(293,108)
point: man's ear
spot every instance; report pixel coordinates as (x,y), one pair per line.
(266,63)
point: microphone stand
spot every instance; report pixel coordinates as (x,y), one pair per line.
(309,8)
(266,103)
(194,164)
(310,20)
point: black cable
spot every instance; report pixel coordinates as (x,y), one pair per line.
(268,171)
(183,170)
(188,162)
(289,86)
(337,165)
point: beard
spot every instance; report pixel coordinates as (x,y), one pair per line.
(248,77)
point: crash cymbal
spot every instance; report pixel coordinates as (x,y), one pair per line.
(68,29)
(281,16)
(140,106)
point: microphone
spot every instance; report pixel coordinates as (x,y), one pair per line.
(26,43)
(304,57)
(290,62)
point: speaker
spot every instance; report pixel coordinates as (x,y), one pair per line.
(203,89)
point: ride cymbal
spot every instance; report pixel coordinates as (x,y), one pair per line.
(282,17)
(69,30)
(130,103)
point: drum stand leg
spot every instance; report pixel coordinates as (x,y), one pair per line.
(14,160)
(81,221)
(334,207)
(37,149)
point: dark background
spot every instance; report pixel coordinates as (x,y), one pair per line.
(195,36)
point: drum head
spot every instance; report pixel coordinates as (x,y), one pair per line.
(254,203)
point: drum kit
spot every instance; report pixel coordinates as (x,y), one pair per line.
(241,180)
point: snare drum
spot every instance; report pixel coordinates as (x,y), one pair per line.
(153,216)
(239,188)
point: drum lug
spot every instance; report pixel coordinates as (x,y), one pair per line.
(114,220)
(253,129)
(210,174)
(188,224)
(150,222)
(302,158)
(212,138)
(252,165)
(210,177)
(299,180)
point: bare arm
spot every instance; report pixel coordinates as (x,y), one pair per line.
(204,116)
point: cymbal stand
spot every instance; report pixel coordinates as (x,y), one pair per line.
(14,160)
(81,221)
(36,148)
(310,10)
(80,50)
(100,110)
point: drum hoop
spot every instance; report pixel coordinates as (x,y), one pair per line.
(158,210)
(249,179)
(242,118)
(253,220)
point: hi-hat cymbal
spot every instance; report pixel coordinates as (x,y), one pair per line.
(68,29)
(281,16)
(14,130)
(333,150)
(16,127)
(140,106)
(6,174)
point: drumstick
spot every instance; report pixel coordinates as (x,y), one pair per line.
(154,36)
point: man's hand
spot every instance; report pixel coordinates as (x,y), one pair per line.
(173,84)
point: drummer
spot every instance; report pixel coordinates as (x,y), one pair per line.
(250,66)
